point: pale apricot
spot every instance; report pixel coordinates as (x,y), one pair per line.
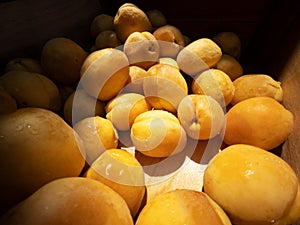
(142,49)
(104,73)
(164,87)
(214,83)
(170,40)
(158,133)
(201,116)
(97,134)
(168,61)
(123,109)
(80,105)
(198,56)
(135,81)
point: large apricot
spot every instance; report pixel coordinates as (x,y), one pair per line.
(74,200)
(61,60)
(182,206)
(258,121)
(122,172)
(252,185)
(31,90)
(36,147)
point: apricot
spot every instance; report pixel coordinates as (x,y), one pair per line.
(107,39)
(104,73)
(31,90)
(129,19)
(101,22)
(164,87)
(123,109)
(258,121)
(265,184)
(121,171)
(293,213)
(135,81)
(65,91)
(201,116)
(187,39)
(182,206)
(36,147)
(255,85)
(74,200)
(80,105)
(158,133)
(156,17)
(142,49)
(170,40)
(214,83)
(198,56)
(230,66)
(61,60)
(97,134)
(24,64)
(229,42)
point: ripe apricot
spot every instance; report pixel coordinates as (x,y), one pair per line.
(252,185)
(258,121)
(182,206)
(121,171)
(254,85)
(158,133)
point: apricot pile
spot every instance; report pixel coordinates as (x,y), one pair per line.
(82,129)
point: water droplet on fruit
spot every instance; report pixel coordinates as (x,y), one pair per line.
(31,129)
